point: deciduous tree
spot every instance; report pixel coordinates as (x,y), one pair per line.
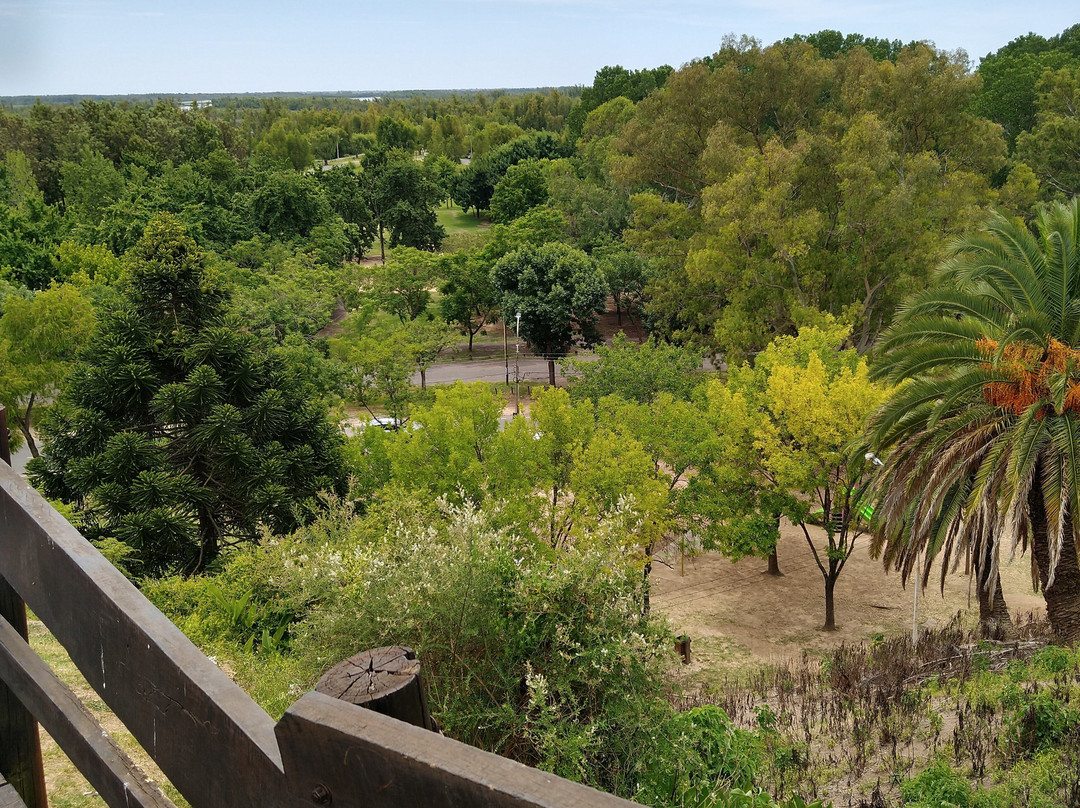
(559,293)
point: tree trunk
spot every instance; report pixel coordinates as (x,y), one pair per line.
(551,372)
(24,426)
(645,601)
(830,606)
(208,539)
(382,244)
(1063,598)
(994,620)
(774,565)
(423,379)
(470,339)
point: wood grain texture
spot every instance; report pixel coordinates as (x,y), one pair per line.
(364,759)
(93,751)
(209,738)
(9,797)
(386,680)
(20,745)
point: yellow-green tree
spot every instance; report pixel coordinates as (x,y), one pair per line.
(38,340)
(782,447)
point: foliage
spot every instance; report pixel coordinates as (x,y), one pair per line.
(1050,147)
(782,447)
(797,183)
(558,292)
(179,433)
(523,187)
(38,340)
(402,285)
(469,298)
(976,463)
(634,372)
(559,667)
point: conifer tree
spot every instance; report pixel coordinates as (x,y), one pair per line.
(179,433)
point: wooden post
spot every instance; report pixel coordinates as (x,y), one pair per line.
(20,747)
(386,680)
(5,445)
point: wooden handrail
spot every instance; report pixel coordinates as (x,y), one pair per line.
(216,746)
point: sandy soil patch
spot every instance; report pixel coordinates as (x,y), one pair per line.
(737,616)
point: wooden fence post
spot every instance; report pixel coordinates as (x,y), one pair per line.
(5,445)
(20,747)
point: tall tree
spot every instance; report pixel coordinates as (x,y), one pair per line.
(558,291)
(402,286)
(984,430)
(178,433)
(781,449)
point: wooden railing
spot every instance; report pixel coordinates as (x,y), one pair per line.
(215,745)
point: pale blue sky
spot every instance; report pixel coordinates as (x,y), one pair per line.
(191,46)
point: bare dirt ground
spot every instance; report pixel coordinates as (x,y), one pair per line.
(738,617)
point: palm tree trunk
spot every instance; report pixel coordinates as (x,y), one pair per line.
(994,619)
(1063,598)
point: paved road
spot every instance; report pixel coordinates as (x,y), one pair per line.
(19,458)
(487,370)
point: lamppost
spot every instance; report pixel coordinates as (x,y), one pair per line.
(517,375)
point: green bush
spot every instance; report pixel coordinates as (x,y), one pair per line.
(941,786)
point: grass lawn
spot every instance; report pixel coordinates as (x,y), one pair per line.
(455,221)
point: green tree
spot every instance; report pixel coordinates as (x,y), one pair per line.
(523,187)
(425,340)
(402,286)
(41,335)
(289,205)
(469,299)
(783,430)
(982,433)
(445,455)
(1052,147)
(402,200)
(559,293)
(178,433)
(626,274)
(634,372)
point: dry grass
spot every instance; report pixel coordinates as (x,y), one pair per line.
(66,787)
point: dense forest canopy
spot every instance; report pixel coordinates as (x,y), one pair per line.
(192,294)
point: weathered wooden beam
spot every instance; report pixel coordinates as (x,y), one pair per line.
(20,745)
(348,757)
(93,751)
(9,797)
(5,445)
(209,738)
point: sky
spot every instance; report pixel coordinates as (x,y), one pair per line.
(184,47)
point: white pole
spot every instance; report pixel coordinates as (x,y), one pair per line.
(517,375)
(915,609)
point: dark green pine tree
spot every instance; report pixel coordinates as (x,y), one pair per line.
(179,433)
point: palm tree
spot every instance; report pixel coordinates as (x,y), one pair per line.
(983,433)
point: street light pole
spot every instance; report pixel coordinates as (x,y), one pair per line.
(517,375)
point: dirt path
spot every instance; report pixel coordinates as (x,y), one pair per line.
(737,616)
